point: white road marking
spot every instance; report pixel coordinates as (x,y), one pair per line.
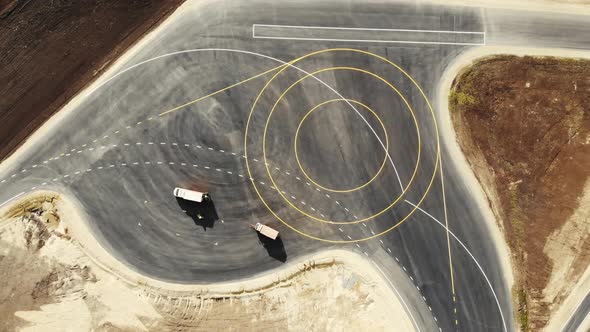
(372,31)
(13,198)
(472,257)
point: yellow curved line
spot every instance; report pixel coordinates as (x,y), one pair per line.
(384,157)
(351,222)
(437,146)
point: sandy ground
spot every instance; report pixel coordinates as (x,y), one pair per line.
(563,247)
(484,196)
(49,283)
(575,231)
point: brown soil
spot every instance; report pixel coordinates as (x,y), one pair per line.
(528,121)
(49,50)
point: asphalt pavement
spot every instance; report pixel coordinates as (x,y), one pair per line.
(124,147)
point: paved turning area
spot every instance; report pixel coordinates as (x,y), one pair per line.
(330,136)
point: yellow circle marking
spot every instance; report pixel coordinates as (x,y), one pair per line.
(295,206)
(416,205)
(384,157)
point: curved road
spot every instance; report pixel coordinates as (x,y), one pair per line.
(123,148)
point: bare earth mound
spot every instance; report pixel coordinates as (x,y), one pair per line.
(48,283)
(524,125)
(49,50)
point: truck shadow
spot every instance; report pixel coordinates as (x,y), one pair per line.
(275,248)
(205,209)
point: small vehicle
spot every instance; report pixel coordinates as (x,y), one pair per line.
(266,231)
(191,195)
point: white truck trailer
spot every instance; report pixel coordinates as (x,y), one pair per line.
(265,230)
(190,195)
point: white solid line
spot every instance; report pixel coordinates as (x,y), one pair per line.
(472,257)
(262,56)
(362,29)
(371,41)
(408,311)
(13,198)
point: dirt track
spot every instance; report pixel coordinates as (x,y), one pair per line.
(524,126)
(49,50)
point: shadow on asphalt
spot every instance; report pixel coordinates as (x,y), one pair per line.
(205,209)
(275,248)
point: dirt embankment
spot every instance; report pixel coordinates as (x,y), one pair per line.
(524,125)
(48,283)
(49,50)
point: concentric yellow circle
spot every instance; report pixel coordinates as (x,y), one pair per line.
(415,206)
(360,220)
(315,108)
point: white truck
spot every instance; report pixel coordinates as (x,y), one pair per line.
(190,195)
(266,231)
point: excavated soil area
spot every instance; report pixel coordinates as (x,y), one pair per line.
(524,125)
(50,50)
(49,283)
